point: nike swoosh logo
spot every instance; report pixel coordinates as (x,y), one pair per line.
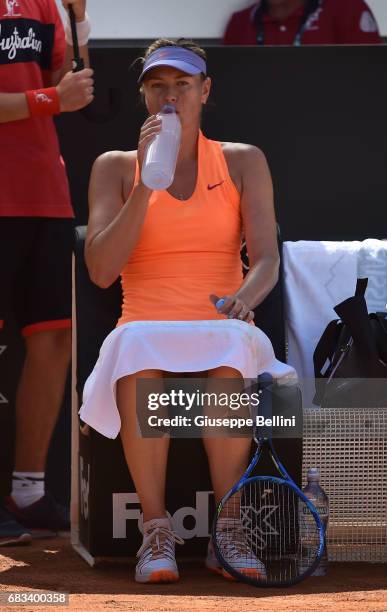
(209,187)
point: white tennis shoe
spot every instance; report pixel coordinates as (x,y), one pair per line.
(212,562)
(237,552)
(157,561)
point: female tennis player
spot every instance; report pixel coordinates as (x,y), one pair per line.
(178,252)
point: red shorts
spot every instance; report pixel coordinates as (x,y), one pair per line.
(35,272)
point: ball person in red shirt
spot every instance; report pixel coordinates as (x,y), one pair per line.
(303,22)
(36,236)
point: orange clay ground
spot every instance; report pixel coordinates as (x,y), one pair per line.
(54,565)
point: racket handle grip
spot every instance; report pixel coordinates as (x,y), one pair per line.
(78,64)
(265,381)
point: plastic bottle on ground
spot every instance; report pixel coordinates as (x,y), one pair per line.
(319,499)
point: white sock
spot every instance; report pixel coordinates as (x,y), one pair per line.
(27,487)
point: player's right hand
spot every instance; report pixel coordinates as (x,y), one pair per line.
(149,130)
(76,90)
(232,307)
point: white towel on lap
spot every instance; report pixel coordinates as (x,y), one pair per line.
(174,346)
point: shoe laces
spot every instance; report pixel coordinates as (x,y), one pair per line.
(235,541)
(157,539)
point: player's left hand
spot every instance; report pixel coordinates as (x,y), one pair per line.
(79,7)
(233,307)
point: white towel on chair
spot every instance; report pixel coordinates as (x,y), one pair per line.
(317,275)
(372,264)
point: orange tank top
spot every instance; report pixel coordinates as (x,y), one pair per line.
(186,249)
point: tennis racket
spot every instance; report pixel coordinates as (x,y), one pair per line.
(78,63)
(266,532)
(114,94)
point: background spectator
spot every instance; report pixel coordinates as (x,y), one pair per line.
(306,22)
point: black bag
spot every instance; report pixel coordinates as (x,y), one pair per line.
(355,347)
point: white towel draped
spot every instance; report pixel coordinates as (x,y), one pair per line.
(318,276)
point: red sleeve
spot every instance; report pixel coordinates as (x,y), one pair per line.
(59,48)
(355,23)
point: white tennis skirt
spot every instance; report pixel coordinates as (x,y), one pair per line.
(174,346)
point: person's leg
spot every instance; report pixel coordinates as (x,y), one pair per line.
(13,243)
(42,308)
(146,457)
(39,396)
(227,456)
(147,463)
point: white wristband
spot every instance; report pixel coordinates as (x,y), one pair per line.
(83,31)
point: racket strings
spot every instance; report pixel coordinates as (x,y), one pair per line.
(237,544)
(266,532)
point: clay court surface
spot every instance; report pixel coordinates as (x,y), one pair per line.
(54,565)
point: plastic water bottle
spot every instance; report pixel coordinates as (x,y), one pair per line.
(319,499)
(158,169)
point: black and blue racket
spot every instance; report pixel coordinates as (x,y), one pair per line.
(266,532)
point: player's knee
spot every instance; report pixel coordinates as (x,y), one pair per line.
(149,374)
(142,374)
(130,392)
(224,372)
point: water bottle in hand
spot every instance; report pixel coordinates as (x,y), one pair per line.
(158,169)
(319,499)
